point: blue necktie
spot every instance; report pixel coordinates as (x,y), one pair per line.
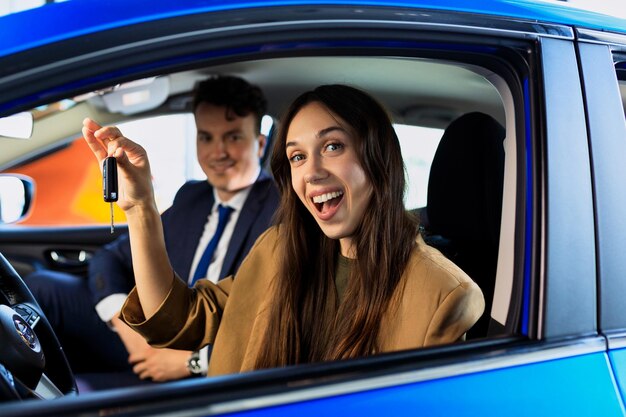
(207,256)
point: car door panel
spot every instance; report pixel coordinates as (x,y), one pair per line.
(617,356)
(515,385)
(60,249)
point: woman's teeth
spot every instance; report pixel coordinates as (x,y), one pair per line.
(325,197)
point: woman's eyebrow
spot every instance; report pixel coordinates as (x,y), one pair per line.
(319,134)
(330,129)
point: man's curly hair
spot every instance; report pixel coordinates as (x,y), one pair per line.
(237,95)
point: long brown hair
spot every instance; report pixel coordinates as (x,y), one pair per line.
(307,323)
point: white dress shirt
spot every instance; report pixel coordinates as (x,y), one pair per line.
(236,203)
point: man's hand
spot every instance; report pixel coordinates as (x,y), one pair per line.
(160,365)
(152,363)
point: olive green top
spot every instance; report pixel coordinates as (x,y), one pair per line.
(342,273)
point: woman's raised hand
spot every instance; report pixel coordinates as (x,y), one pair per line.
(134,178)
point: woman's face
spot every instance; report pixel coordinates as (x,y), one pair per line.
(326,173)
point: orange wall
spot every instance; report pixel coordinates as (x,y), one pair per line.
(68,189)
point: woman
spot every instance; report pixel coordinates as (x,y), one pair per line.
(343,274)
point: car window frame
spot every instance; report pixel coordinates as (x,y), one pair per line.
(600,55)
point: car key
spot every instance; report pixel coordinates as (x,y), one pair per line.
(109,183)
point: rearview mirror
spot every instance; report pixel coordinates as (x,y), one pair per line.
(18,126)
(131,98)
(16,194)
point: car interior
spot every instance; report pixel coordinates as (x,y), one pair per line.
(454,120)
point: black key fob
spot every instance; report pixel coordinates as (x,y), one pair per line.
(109,179)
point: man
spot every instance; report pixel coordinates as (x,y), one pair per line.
(209,229)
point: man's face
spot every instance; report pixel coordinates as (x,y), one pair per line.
(228,150)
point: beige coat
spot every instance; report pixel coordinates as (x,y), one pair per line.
(438,304)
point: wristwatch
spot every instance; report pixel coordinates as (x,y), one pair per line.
(193,364)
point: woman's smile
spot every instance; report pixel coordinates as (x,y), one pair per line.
(327,203)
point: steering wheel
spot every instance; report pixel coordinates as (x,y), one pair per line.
(32,362)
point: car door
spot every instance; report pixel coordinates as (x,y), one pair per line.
(602,65)
(561,365)
(548,356)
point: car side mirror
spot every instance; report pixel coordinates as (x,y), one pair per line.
(16,196)
(17,126)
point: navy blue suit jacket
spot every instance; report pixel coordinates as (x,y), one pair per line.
(110,270)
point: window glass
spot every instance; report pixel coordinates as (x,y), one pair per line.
(418,145)
(68,182)
(170,142)
(622,90)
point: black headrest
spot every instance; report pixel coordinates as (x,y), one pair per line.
(466,177)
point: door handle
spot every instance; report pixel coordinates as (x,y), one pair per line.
(70,257)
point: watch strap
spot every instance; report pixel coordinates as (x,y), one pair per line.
(193,364)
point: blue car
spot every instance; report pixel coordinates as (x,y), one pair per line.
(535,213)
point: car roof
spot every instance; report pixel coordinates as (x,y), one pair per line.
(31,28)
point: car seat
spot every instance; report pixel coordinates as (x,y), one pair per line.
(465,201)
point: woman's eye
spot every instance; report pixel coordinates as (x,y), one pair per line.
(333,147)
(296,158)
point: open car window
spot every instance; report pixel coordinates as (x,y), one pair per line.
(470,203)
